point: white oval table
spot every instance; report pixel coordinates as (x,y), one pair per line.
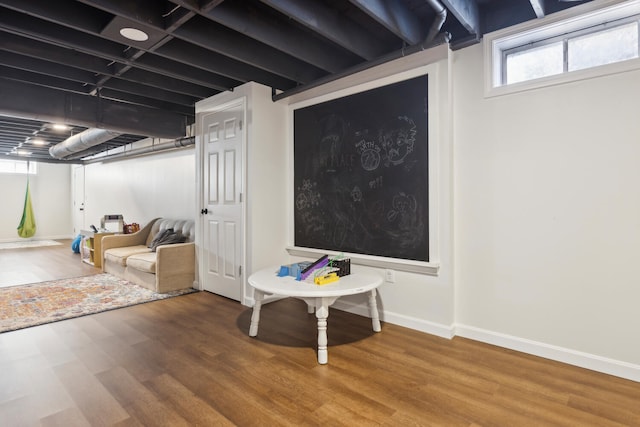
(267,282)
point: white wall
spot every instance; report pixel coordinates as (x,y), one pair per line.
(142,188)
(267,178)
(547,216)
(50,197)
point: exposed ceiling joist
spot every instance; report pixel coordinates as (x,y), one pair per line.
(286,38)
(205,34)
(139,82)
(215,37)
(331,25)
(21,99)
(37,29)
(203,6)
(396,17)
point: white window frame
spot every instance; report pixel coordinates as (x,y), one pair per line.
(578,18)
(32,167)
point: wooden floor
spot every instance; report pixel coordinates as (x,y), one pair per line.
(189,361)
(32,265)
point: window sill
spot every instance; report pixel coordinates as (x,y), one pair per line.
(429,268)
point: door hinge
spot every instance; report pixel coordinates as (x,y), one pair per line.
(240,198)
(240,124)
(239,270)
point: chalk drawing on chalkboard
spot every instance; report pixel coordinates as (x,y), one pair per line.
(403,206)
(307,202)
(356,194)
(332,133)
(369,154)
(407,223)
(376,183)
(308,196)
(398,139)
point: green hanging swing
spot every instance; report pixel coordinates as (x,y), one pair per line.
(27,227)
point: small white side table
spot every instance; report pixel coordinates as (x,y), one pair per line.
(267,282)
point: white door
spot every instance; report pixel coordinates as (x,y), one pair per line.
(222,242)
(78,199)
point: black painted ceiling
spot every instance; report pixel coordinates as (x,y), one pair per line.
(66,61)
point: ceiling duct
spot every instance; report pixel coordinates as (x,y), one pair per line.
(151,149)
(81,142)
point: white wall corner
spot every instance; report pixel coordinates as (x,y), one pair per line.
(593,362)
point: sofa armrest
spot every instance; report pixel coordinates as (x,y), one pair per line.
(122,240)
(175,259)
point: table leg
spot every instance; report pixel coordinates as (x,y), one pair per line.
(322,313)
(258,296)
(373,311)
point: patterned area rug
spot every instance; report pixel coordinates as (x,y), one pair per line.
(28,244)
(30,305)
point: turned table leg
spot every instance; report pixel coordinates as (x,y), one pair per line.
(373,311)
(258,296)
(322,313)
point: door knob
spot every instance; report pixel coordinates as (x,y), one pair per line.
(204,211)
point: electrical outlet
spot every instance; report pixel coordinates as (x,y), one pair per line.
(390,276)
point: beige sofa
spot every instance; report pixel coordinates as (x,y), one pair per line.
(169,268)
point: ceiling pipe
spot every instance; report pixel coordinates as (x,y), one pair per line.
(434,38)
(441,16)
(81,142)
(171,145)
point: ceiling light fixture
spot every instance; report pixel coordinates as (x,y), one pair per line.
(134,34)
(38,141)
(59,126)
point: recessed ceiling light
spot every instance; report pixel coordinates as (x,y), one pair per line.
(58,126)
(23,153)
(38,141)
(134,34)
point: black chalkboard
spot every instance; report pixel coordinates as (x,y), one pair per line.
(361,173)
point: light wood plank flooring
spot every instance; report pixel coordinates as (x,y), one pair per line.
(189,361)
(32,265)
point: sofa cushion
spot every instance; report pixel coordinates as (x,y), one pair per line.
(167,237)
(144,262)
(120,255)
(159,237)
(186,227)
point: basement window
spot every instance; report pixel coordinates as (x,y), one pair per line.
(575,44)
(18,167)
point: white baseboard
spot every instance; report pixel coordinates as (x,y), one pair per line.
(432,328)
(19,239)
(56,237)
(593,362)
(572,357)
